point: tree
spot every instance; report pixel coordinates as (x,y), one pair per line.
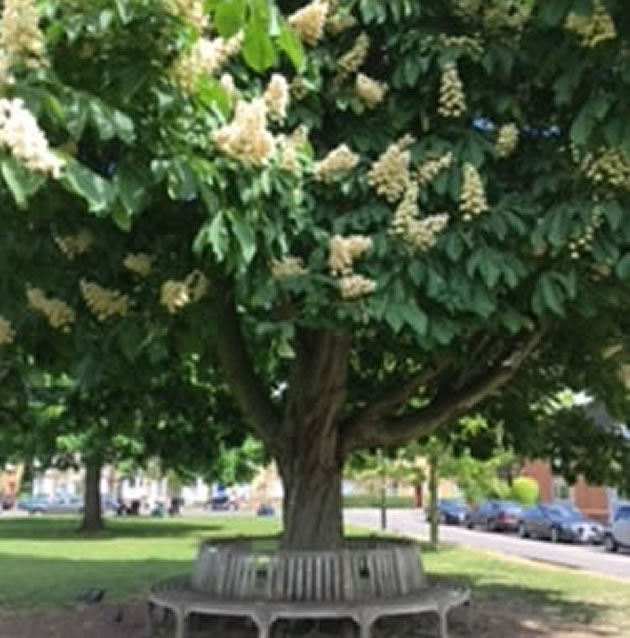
(345,308)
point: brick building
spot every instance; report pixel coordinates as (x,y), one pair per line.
(594,501)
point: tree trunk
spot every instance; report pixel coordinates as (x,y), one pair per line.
(433,495)
(310,459)
(92,515)
(312,508)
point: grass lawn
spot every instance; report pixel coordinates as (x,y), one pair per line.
(44,563)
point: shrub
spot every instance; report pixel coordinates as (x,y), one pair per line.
(525,491)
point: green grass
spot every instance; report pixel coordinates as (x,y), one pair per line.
(45,563)
(548,592)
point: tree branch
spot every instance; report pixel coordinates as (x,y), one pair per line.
(446,407)
(237,364)
(393,397)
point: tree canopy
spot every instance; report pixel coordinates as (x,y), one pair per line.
(368,215)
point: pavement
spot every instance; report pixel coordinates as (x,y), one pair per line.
(589,558)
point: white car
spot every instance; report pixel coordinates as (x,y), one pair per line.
(618,536)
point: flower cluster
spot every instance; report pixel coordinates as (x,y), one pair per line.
(339,21)
(227,83)
(205,57)
(466,9)
(58,313)
(472,199)
(138,263)
(503,15)
(609,166)
(276,97)
(354,286)
(585,242)
(593,29)
(470,44)
(452,102)
(178,294)
(507,140)
(290,147)
(299,88)
(7,333)
(102,302)
(351,61)
(338,161)
(287,267)
(343,251)
(73,245)
(192,11)
(309,21)
(389,175)
(421,234)
(246,138)
(21,39)
(430,169)
(370,91)
(20,133)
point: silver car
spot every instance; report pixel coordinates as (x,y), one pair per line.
(618,536)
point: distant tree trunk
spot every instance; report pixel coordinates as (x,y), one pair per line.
(417,495)
(383,469)
(433,495)
(92,515)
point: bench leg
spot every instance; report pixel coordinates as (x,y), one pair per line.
(443,623)
(366,628)
(180,624)
(150,619)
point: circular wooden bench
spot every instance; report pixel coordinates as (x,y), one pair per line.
(365,580)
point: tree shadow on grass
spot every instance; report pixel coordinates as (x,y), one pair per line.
(33,582)
(67,528)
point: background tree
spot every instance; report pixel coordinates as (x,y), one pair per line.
(455,214)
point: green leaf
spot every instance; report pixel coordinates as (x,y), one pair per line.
(122,218)
(394,317)
(229,17)
(623,267)
(245,235)
(214,234)
(21,181)
(97,192)
(132,184)
(181,181)
(258,50)
(289,42)
(613,213)
(415,318)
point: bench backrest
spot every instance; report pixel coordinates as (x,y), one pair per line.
(362,570)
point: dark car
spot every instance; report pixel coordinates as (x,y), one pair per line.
(559,523)
(222,502)
(451,512)
(495,516)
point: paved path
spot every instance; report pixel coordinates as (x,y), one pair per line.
(589,558)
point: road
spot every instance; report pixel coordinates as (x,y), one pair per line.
(588,558)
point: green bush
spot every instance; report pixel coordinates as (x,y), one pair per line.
(524,491)
(374,500)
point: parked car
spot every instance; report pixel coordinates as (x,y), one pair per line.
(451,512)
(495,516)
(45,505)
(618,536)
(559,522)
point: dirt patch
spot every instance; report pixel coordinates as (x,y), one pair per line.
(127,620)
